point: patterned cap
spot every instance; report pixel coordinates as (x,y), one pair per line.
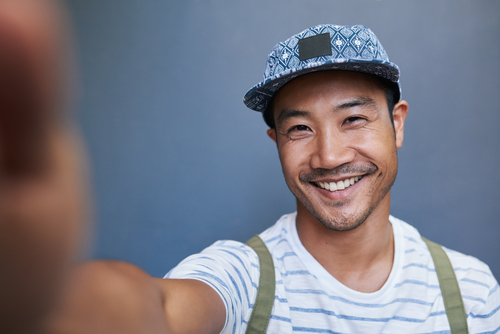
(320,48)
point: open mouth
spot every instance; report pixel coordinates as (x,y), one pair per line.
(340,185)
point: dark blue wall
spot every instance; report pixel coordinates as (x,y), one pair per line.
(179,162)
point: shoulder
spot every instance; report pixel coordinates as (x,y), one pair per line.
(221,256)
(477,284)
(231,268)
(277,236)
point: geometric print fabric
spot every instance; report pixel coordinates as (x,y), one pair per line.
(353,48)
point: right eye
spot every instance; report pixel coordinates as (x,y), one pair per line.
(299,128)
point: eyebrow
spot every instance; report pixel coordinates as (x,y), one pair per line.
(360,101)
(290,113)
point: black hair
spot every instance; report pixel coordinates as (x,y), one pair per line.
(390,89)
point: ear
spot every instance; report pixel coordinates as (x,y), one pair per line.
(272,134)
(399,115)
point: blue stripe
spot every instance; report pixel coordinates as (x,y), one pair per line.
(419,265)
(410,251)
(235,285)
(207,267)
(347,301)
(473,269)
(484,316)
(423,266)
(475,282)
(237,258)
(285,255)
(477,299)
(272,239)
(204,274)
(281,300)
(314,330)
(411,239)
(295,272)
(493,290)
(282,240)
(242,283)
(355,318)
(277,317)
(412,281)
(492,332)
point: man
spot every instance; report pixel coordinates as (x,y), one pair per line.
(342,263)
(331,98)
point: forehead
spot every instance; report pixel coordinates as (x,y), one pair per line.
(333,86)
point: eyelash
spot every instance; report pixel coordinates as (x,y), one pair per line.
(352,119)
(298,128)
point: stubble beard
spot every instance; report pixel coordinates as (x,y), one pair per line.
(344,221)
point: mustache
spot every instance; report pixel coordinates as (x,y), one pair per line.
(348,169)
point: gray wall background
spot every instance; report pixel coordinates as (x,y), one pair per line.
(179,162)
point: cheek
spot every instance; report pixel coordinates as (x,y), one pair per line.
(292,157)
(379,148)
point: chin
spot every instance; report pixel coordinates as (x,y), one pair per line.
(342,221)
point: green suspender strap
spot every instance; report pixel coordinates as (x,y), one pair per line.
(265,294)
(264,301)
(450,290)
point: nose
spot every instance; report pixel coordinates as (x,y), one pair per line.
(330,150)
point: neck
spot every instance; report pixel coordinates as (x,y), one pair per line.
(360,258)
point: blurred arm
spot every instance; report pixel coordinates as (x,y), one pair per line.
(43,207)
(42,196)
(105,297)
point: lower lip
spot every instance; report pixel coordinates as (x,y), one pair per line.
(340,194)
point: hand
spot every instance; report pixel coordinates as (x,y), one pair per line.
(42,188)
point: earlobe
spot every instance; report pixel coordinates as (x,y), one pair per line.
(272,134)
(399,115)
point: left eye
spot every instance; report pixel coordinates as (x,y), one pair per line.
(298,128)
(301,128)
(352,119)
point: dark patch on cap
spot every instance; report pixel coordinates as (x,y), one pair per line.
(315,46)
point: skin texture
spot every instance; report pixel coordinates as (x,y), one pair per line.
(331,126)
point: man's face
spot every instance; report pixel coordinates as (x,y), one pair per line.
(333,131)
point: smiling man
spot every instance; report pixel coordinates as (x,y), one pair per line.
(339,264)
(342,263)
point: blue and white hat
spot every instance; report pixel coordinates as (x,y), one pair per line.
(320,48)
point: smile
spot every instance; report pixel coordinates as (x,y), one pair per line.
(340,185)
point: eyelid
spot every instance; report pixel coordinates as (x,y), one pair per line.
(356,118)
(296,126)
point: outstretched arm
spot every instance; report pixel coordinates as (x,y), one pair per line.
(43,211)
(42,196)
(105,297)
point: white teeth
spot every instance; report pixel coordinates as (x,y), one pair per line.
(340,185)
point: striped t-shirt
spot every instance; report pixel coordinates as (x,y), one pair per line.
(310,300)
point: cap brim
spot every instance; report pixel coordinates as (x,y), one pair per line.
(259,95)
